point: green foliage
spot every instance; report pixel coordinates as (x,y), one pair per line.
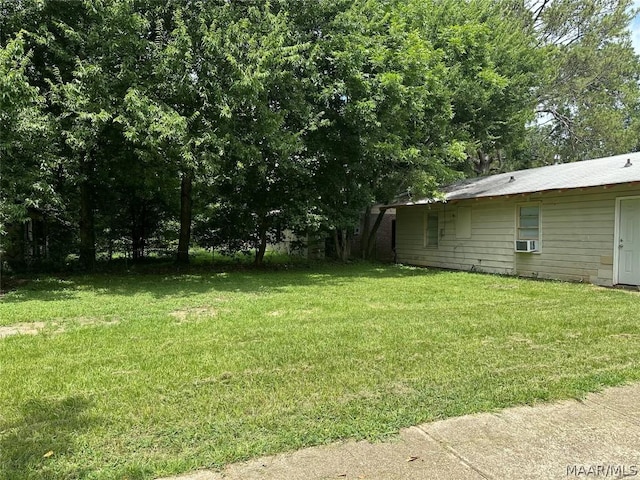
(386,110)
(25,129)
(122,120)
(264,179)
(493,70)
(82,57)
(26,180)
(588,101)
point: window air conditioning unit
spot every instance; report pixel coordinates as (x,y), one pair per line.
(526,245)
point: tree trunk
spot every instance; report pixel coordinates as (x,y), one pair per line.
(500,160)
(185,218)
(136,231)
(371,242)
(483,164)
(364,234)
(343,247)
(87,229)
(262,246)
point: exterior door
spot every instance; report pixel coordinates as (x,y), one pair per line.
(629,242)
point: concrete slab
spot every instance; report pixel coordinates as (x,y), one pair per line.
(595,438)
(623,400)
(546,441)
(412,455)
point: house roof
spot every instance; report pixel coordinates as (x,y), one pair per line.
(588,173)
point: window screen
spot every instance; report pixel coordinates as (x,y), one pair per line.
(529,222)
(431,230)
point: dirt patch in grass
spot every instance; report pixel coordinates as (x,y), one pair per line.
(193,313)
(91,321)
(521,340)
(33,328)
(21,329)
(627,336)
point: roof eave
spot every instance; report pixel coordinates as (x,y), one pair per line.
(452,199)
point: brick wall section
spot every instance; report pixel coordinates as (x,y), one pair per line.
(383,249)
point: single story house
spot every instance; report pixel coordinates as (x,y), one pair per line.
(575,221)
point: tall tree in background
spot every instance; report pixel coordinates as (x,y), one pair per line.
(173,110)
(588,102)
(409,94)
(220,96)
(386,112)
(263,182)
(494,68)
(83,56)
(25,131)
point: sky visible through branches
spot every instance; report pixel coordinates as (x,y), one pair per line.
(635,29)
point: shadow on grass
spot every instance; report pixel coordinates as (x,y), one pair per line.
(198,280)
(30,445)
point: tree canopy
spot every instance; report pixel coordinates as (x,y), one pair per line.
(587,102)
(126,125)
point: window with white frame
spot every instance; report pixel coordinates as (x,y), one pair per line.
(528,222)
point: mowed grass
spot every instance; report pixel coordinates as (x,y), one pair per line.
(141,376)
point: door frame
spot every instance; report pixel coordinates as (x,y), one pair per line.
(616,237)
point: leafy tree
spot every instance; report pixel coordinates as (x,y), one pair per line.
(228,113)
(386,111)
(25,182)
(408,91)
(265,176)
(589,99)
(494,68)
(83,57)
(182,108)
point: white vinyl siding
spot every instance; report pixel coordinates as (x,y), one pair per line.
(490,243)
(463,223)
(577,227)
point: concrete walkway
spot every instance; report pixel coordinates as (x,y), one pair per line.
(595,438)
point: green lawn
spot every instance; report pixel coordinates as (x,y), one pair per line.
(139,376)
